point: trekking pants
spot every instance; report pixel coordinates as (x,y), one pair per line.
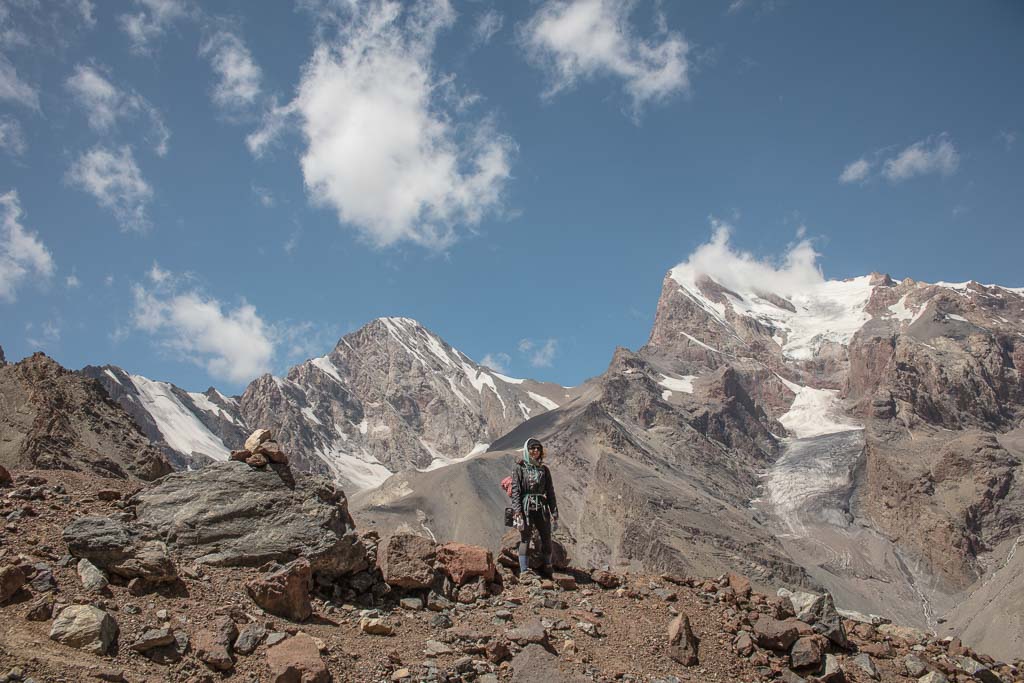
(542,521)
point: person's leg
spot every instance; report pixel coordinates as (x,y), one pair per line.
(524,545)
(544,527)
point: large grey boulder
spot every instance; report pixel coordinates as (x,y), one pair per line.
(86,628)
(229,514)
(120,549)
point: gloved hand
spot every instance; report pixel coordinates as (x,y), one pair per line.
(518,522)
(554,523)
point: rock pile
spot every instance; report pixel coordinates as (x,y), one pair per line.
(261,450)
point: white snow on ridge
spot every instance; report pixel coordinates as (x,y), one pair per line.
(683,384)
(509,380)
(440,460)
(179,426)
(814,412)
(325,364)
(111,375)
(959,318)
(900,311)
(543,400)
(364,471)
(204,403)
(479,378)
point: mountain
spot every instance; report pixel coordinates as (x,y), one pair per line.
(53,418)
(390,397)
(862,436)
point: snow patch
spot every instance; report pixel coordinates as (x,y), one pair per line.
(204,403)
(179,426)
(509,380)
(479,378)
(310,415)
(364,471)
(325,364)
(524,410)
(542,400)
(900,311)
(666,395)
(815,412)
(683,384)
(111,375)
(954,316)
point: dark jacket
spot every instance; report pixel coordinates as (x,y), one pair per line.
(528,480)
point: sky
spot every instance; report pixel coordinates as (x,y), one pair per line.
(203,192)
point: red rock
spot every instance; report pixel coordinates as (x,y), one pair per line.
(740,584)
(808,652)
(257,460)
(297,660)
(407,561)
(240,456)
(682,643)
(463,562)
(12,578)
(284,591)
(108,494)
(5,477)
(606,579)
(879,650)
(213,645)
(773,634)
(743,644)
(256,438)
(271,450)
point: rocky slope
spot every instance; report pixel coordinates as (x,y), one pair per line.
(92,589)
(57,419)
(852,435)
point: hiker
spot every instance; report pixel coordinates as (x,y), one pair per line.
(533,503)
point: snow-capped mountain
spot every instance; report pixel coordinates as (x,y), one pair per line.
(389,397)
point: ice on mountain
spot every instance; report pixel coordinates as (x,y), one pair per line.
(179,426)
(542,400)
(814,412)
(509,380)
(111,375)
(324,363)
(683,384)
(203,402)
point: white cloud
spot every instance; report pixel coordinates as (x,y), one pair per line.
(14,89)
(497,361)
(105,103)
(158,275)
(382,146)
(47,335)
(72,281)
(22,253)
(795,272)
(1008,137)
(86,9)
(487,26)
(12,140)
(114,179)
(239,76)
(573,40)
(934,155)
(232,344)
(154,17)
(855,172)
(540,354)
(264,195)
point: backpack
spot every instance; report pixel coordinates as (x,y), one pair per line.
(506,485)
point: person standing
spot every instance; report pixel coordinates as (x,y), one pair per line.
(533,503)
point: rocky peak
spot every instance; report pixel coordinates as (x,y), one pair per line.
(3,359)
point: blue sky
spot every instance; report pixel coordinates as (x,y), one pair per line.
(203,192)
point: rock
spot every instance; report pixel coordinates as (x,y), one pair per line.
(41,609)
(826,621)
(740,584)
(532,632)
(914,666)
(5,476)
(213,645)
(743,644)
(228,514)
(509,555)
(807,652)
(832,672)
(904,633)
(12,578)
(497,651)
(250,638)
(414,604)
(172,652)
(933,677)
(93,580)
(375,626)
(804,604)
(156,637)
(271,450)
(441,621)
(285,590)
(275,637)
(401,674)
(437,602)
(113,546)
(534,664)
(566,582)
(85,627)
(682,643)
(108,495)
(434,648)
(462,562)
(773,634)
(43,581)
(881,650)
(297,660)
(606,579)
(239,456)
(257,460)
(407,561)
(256,438)
(863,665)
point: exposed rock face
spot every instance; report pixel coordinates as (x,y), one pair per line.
(285,590)
(120,549)
(62,420)
(231,514)
(462,562)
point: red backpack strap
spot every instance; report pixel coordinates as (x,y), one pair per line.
(506,484)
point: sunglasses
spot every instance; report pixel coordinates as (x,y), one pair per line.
(536,448)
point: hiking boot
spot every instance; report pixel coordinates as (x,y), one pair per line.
(547,572)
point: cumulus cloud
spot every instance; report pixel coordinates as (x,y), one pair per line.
(104,104)
(855,172)
(574,40)
(793,273)
(22,253)
(12,140)
(487,26)
(231,344)
(238,83)
(541,354)
(114,179)
(13,89)
(497,361)
(149,23)
(934,155)
(383,148)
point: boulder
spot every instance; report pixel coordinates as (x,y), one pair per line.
(41,609)
(532,632)
(862,666)
(256,438)
(284,591)
(12,578)
(375,627)
(914,666)
(240,455)
(740,584)
(153,638)
(773,634)
(297,660)
(5,477)
(228,514)
(804,604)
(682,643)
(462,562)
(271,450)
(114,546)
(43,580)
(933,677)
(743,644)
(831,672)
(93,580)
(822,615)
(213,645)
(606,579)
(407,561)
(85,627)
(807,652)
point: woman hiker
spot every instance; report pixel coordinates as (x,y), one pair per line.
(533,503)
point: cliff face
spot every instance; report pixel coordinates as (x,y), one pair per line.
(52,418)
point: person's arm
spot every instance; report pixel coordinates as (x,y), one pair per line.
(550,492)
(517,492)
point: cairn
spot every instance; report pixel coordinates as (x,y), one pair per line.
(260,450)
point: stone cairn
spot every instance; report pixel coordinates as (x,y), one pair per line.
(260,450)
